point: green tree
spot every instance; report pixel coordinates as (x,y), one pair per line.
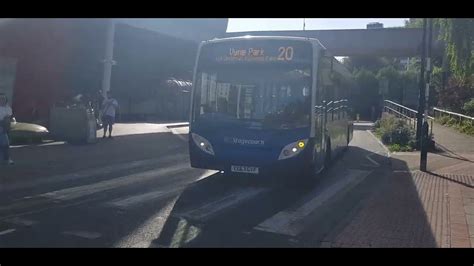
(414,23)
(469,107)
(457,92)
(452,88)
(458,33)
(367,86)
(395,86)
(368,62)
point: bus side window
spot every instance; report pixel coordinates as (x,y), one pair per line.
(324,79)
(328,87)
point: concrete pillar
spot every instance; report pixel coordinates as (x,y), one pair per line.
(108,59)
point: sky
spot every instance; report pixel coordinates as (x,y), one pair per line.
(267,24)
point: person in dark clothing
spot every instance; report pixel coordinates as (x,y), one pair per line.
(5,122)
(108,113)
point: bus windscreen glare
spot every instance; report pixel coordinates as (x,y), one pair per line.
(263,85)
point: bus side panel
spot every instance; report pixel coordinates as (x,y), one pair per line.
(317,114)
(338,129)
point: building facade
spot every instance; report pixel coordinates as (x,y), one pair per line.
(44,62)
(375,25)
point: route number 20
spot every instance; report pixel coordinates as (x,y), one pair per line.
(286,53)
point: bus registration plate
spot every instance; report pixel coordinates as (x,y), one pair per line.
(244,169)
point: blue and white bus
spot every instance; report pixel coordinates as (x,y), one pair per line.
(268,106)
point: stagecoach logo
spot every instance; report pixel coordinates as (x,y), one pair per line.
(244,141)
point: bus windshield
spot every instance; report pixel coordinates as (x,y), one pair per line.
(258,96)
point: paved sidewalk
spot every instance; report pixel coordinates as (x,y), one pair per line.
(411,208)
(414,210)
(132,142)
(450,139)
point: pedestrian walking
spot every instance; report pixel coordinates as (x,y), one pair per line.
(110,105)
(5,123)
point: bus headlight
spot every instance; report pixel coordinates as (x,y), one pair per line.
(292,149)
(202,143)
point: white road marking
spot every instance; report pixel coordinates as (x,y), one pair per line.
(131,201)
(83,234)
(211,208)
(148,230)
(291,221)
(20,221)
(40,145)
(95,172)
(401,171)
(372,160)
(380,142)
(181,132)
(8,231)
(48,207)
(80,191)
(142,244)
(134,200)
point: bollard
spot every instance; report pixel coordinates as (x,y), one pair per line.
(431,127)
(357,117)
(424,146)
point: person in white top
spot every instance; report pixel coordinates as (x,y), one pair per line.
(5,120)
(109,107)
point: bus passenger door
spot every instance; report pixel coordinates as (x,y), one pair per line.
(319,111)
(319,117)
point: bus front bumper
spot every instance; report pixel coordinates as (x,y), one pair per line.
(295,166)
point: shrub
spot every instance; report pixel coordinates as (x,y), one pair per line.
(443,119)
(452,122)
(392,130)
(401,135)
(412,143)
(386,137)
(464,126)
(394,147)
(467,127)
(398,147)
(377,124)
(469,107)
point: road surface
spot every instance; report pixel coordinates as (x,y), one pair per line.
(138,190)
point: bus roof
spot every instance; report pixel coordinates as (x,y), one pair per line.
(253,37)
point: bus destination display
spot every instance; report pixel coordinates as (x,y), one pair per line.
(258,51)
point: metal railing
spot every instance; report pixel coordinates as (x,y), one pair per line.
(408,114)
(437,113)
(336,108)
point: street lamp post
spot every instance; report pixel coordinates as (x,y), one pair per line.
(421,95)
(425,130)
